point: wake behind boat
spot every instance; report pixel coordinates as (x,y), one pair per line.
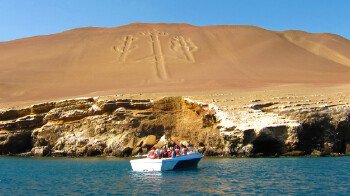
(166,164)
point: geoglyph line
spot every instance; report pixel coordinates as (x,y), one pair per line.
(125,47)
(186,47)
(157,52)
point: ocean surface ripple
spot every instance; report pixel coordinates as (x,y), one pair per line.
(214,176)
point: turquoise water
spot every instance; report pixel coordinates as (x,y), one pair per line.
(107,176)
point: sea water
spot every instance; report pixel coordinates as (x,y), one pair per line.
(218,176)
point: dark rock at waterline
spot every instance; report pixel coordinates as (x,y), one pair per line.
(296,153)
(347,148)
(40,151)
(14,142)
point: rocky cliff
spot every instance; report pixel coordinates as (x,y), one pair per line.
(117,127)
(294,129)
(123,127)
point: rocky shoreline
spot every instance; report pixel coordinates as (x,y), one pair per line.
(125,127)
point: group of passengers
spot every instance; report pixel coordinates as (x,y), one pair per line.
(168,152)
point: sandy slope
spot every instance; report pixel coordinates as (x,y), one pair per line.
(167,58)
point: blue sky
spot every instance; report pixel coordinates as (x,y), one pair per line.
(24,18)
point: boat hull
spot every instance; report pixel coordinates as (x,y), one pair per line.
(167,164)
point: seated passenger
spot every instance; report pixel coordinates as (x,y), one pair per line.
(177,151)
(169,153)
(162,153)
(156,154)
(173,155)
(165,152)
(151,153)
(184,150)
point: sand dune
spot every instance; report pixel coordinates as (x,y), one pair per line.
(332,47)
(167,58)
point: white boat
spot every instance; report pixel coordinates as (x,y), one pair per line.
(166,164)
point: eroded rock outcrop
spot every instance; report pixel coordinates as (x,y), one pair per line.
(117,127)
(272,129)
(123,127)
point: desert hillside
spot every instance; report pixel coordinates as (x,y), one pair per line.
(167,58)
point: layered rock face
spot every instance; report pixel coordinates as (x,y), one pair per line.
(117,127)
(124,127)
(290,128)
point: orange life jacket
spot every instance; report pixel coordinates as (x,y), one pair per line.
(151,154)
